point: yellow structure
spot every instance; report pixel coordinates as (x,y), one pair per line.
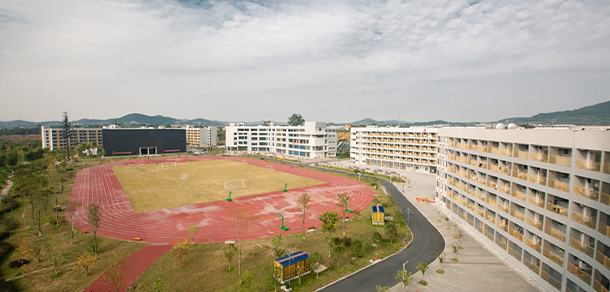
(378,215)
(291,266)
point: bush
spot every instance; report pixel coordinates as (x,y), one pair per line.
(18,263)
(54,220)
(13,204)
(3,234)
(347,241)
(5,286)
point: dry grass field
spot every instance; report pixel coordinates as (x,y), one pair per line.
(150,189)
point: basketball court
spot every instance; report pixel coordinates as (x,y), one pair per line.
(100,185)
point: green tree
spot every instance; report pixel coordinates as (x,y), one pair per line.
(404,278)
(266,123)
(376,237)
(9,225)
(315,260)
(356,248)
(248,280)
(94,217)
(296,120)
(380,288)
(329,218)
(302,207)
(391,232)
(192,231)
(100,151)
(56,252)
(229,253)
(456,247)
(344,200)
(278,251)
(423,267)
(67,133)
(338,254)
(441,259)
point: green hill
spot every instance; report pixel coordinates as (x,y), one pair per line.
(593,115)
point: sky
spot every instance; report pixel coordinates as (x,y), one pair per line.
(334,61)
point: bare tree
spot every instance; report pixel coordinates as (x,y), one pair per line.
(241,224)
(344,199)
(303,206)
(114,273)
(72,208)
(94,216)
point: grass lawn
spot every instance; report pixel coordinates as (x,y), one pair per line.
(150,189)
(206,269)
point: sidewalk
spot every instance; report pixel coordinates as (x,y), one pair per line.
(8,186)
(480,267)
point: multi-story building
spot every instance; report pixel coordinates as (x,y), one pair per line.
(313,139)
(53,138)
(541,197)
(201,137)
(397,147)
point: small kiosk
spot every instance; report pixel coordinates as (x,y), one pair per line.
(378,215)
(291,266)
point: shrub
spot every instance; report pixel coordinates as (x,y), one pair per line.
(13,204)
(3,234)
(4,248)
(347,241)
(54,220)
(18,263)
(5,286)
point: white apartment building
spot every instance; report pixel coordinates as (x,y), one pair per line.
(52,138)
(400,148)
(201,137)
(541,197)
(312,140)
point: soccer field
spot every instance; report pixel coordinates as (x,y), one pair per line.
(150,189)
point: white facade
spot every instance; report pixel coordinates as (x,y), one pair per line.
(52,138)
(201,137)
(399,148)
(312,140)
(539,196)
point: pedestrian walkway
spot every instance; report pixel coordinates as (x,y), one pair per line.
(140,261)
(479,266)
(5,190)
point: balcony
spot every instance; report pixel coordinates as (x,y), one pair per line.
(577,244)
(488,234)
(518,194)
(560,160)
(532,200)
(521,154)
(552,256)
(494,150)
(603,259)
(587,193)
(588,221)
(517,214)
(564,186)
(588,164)
(607,166)
(554,282)
(480,212)
(515,234)
(503,208)
(471,207)
(541,157)
(514,253)
(519,174)
(604,229)
(504,152)
(531,244)
(491,201)
(583,275)
(493,167)
(555,232)
(539,179)
(598,286)
(504,189)
(480,196)
(558,209)
(531,222)
(605,198)
(535,268)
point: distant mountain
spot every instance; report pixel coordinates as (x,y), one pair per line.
(593,115)
(369,121)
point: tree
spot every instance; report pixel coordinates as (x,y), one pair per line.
(459,235)
(67,133)
(114,272)
(315,260)
(376,237)
(338,253)
(329,218)
(36,251)
(193,230)
(22,252)
(94,217)
(382,288)
(302,207)
(441,259)
(423,267)
(56,252)
(229,253)
(71,208)
(180,249)
(404,278)
(9,225)
(344,199)
(456,247)
(266,123)
(241,224)
(391,232)
(278,251)
(101,152)
(296,120)
(85,261)
(356,248)
(249,280)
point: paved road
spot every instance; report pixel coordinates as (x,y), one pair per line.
(8,186)
(427,244)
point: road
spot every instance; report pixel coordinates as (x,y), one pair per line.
(426,245)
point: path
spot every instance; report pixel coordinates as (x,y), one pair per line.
(140,261)
(5,190)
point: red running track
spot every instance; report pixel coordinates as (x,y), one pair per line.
(99,185)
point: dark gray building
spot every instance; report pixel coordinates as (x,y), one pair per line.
(143,141)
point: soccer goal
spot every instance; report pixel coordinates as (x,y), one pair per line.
(270,167)
(235,184)
(184,176)
(162,167)
(244,162)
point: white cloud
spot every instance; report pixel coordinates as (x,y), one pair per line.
(333,61)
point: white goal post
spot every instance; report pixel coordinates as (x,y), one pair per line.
(244,162)
(235,184)
(184,176)
(270,167)
(162,167)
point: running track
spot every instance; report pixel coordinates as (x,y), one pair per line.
(99,185)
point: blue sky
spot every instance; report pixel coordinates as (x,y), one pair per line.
(327,60)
